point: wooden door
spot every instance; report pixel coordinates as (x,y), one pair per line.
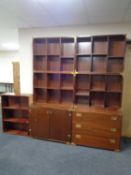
(39,123)
(60,125)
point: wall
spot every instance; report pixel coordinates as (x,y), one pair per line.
(25,38)
(6,68)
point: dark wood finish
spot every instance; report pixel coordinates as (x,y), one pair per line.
(82,73)
(15,112)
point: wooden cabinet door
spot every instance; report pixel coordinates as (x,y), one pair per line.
(39,123)
(60,125)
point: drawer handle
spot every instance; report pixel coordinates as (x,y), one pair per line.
(69,114)
(112,141)
(78,114)
(113,129)
(78,126)
(69,136)
(114,118)
(77,136)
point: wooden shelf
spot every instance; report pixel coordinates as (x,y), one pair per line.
(17,132)
(15,108)
(16,120)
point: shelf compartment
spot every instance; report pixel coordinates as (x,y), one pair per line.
(40,80)
(53,46)
(117,46)
(83,64)
(12,128)
(40,63)
(53,96)
(67,64)
(84,46)
(53,63)
(40,95)
(16,120)
(98,99)
(53,81)
(113,100)
(17,132)
(15,114)
(67,81)
(114,83)
(115,65)
(98,83)
(82,100)
(14,101)
(39,46)
(67,97)
(82,82)
(68,47)
(99,64)
(100,45)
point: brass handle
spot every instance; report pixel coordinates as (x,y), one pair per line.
(114,118)
(112,141)
(77,136)
(78,126)
(69,114)
(69,136)
(78,114)
(113,129)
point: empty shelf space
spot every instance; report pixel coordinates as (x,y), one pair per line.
(68,47)
(16,120)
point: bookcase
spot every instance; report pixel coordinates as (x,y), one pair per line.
(15,110)
(85,75)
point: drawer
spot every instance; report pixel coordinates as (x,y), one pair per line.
(94,141)
(103,119)
(96,129)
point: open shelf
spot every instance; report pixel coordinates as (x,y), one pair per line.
(98,83)
(40,63)
(53,81)
(67,64)
(39,46)
(115,64)
(114,83)
(99,64)
(100,45)
(15,112)
(67,97)
(53,96)
(98,99)
(82,83)
(113,100)
(53,63)
(53,46)
(84,46)
(40,80)
(83,64)
(68,47)
(17,132)
(82,100)
(117,46)
(40,95)
(67,81)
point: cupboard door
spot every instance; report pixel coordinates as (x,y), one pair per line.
(39,123)
(60,125)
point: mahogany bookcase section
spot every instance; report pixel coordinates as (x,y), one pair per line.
(15,110)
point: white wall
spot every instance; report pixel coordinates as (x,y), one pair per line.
(26,35)
(6,68)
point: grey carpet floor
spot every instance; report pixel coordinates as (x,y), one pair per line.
(26,156)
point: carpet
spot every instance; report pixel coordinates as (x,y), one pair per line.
(26,156)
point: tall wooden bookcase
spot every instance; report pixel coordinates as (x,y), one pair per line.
(82,75)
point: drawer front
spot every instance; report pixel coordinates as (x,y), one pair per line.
(99,142)
(102,119)
(96,129)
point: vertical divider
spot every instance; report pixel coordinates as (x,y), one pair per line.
(46,88)
(106,76)
(91,68)
(74,69)
(60,75)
